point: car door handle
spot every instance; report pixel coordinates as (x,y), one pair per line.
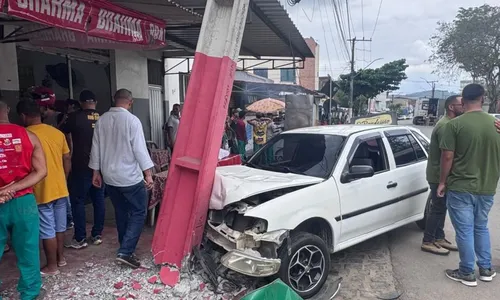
(391,185)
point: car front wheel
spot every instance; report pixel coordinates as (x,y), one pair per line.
(305,263)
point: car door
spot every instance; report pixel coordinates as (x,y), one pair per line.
(363,201)
(410,161)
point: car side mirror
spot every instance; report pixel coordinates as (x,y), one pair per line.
(357,172)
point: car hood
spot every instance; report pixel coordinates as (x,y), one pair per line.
(234,183)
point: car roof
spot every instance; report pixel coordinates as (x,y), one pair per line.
(344,130)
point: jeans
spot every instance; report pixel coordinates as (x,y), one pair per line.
(469,216)
(69,213)
(130,205)
(435,220)
(80,188)
(19,218)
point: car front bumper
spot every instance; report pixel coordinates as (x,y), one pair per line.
(242,256)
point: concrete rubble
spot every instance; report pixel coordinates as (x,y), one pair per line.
(106,280)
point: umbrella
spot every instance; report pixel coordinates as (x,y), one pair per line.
(266,106)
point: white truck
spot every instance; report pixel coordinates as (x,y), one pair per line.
(314,191)
(421,111)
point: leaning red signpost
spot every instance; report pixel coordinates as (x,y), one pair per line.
(182,216)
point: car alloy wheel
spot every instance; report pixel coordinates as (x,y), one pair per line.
(305,263)
(306,268)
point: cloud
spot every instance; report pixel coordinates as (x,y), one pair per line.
(403,31)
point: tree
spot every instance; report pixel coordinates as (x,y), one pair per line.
(395,107)
(371,82)
(471,43)
(342,98)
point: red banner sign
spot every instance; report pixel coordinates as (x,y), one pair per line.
(70,14)
(108,21)
(123,25)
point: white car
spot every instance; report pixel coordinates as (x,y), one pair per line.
(314,191)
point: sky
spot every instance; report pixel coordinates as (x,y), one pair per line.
(403,30)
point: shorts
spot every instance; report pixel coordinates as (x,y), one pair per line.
(53,218)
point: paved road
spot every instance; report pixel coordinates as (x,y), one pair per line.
(421,275)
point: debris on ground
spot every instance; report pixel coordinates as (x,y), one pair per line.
(107,280)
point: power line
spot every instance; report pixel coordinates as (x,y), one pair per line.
(326,42)
(376,20)
(363,17)
(340,28)
(349,18)
(331,32)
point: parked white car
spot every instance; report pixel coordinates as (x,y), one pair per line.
(314,191)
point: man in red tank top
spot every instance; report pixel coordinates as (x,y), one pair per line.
(22,165)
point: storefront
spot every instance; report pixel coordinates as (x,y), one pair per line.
(75,45)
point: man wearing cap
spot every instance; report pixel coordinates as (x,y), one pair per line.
(79,129)
(46,99)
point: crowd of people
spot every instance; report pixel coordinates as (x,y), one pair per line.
(236,138)
(50,166)
(463,171)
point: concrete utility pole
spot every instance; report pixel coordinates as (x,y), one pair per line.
(351,90)
(330,101)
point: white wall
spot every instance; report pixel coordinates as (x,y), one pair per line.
(129,69)
(9,77)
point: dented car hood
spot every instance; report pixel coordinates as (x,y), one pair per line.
(234,183)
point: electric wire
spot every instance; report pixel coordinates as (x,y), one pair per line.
(378,15)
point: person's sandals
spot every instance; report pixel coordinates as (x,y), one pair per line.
(6,249)
(50,274)
(62,263)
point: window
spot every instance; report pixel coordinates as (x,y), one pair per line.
(422,140)
(406,150)
(371,153)
(418,150)
(306,154)
(287,75)
(261,72)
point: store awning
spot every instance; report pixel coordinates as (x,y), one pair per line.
(269,31)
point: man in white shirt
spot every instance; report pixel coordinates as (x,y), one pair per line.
(119,154)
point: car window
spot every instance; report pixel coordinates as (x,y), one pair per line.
(422,140)
(306,154)
(371,153)
(402,149)
(418,150)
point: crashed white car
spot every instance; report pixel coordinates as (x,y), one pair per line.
(314,191)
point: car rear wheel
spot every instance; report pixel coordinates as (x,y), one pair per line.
(305,263)
(421,223)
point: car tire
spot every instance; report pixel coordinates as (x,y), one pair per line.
(293,255)
(421,223)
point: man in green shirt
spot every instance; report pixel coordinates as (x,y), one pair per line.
(434,240)
(470,169)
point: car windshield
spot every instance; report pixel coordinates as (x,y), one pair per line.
(305,154)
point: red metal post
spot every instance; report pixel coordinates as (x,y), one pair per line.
(190,177)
